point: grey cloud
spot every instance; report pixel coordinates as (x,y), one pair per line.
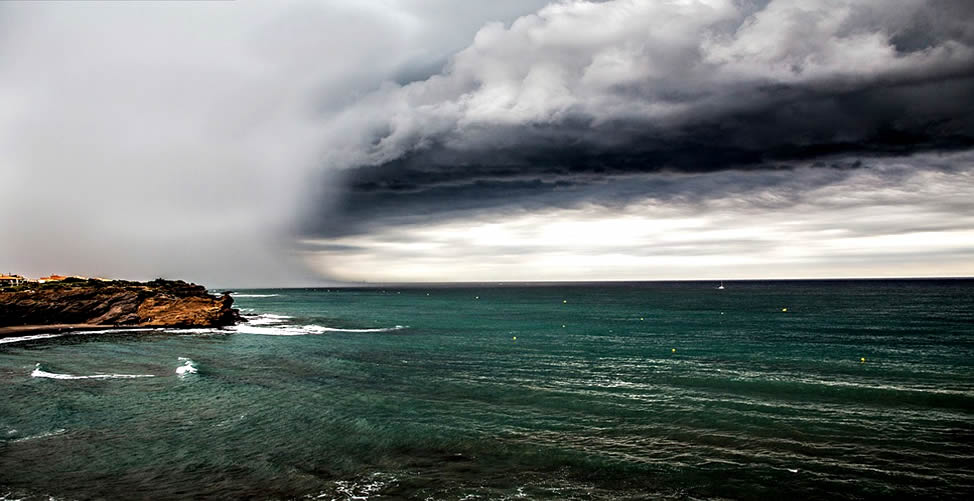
(143,139)
(586,102)
(892,216)
(200,139)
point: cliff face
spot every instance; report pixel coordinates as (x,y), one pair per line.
(157,303)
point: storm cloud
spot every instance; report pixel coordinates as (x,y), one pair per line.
(242,143)
(587,102)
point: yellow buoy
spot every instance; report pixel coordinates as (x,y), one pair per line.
(564,301)
(515,338)
(862,360)
(640,318)
(784,309)
(674,350)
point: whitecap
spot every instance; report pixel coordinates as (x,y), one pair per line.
(188,367)
(254,295)
(33,337)
(267,319)
(38,372)
(28,338)
(201,330)
(318,329)
(41,435)
(362,488)
(305,330)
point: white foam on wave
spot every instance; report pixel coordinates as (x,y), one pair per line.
(201,330)
(40,435)
(188,367)
(27,338)
(360,489)
(267,319)
(41,373)
(318,329)
(33,337)
(301,330)
(254,295)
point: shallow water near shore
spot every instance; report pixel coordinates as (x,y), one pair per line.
(810,389)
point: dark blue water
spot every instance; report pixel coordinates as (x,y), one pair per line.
(809,389)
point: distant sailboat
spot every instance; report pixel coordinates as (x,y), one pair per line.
(721,287)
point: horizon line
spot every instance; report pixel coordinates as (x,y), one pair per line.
(530,282)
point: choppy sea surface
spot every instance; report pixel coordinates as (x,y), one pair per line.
(764,390)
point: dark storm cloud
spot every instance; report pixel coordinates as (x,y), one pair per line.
(890,216)
(587,103)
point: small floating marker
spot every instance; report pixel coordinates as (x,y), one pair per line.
(721,313)
(427,293)
(564,301)
(562,326)
(784,309)
(476,297)
(674,350)
(862,360)
(641,318)
(515,338)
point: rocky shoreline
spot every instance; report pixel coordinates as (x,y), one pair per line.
(96,304)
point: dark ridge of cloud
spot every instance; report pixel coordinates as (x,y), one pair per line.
(439,182)
(736,110)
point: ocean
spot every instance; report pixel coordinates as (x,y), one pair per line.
(656,390)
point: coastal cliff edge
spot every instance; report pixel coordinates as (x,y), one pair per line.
(81,303)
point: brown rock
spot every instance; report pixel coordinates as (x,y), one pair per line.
(161,303)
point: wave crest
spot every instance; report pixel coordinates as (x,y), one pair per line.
(41,373)
(301,330)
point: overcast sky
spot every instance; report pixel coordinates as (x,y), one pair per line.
(300,142)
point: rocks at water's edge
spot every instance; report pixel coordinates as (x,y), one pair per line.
(159,303)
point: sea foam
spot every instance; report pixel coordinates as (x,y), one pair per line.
(28,338)
(41,373)
(40,435)
(188,367)
(300,330)
(267,319)
(33,337)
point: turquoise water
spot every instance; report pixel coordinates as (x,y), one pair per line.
(423,393)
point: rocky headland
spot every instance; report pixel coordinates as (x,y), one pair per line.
(76,303)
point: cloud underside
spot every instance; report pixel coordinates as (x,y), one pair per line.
(600,115)
(895,217)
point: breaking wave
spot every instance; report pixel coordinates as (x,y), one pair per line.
(39,372)
(267,319)
(28,338)
(272,324)
(34,337)
(188,367)
(301,330)
(41,435)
